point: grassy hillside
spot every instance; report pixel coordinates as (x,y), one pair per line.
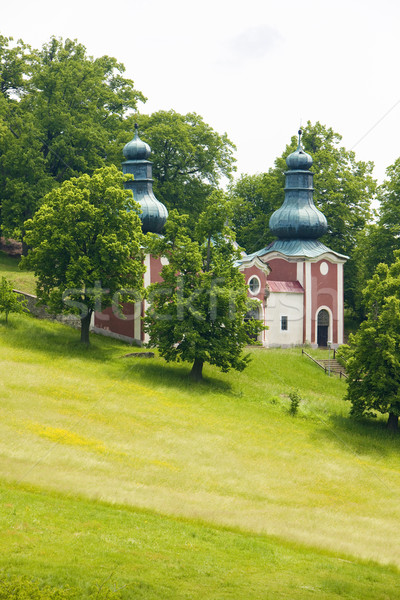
(21,280)
(129,553)
(215,469)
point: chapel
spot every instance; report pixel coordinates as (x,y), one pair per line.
(297,280)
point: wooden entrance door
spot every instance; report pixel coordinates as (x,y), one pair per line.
(322,328)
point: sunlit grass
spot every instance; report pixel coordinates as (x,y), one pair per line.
(226,452)
(129,553)
(21,280)
(148,556)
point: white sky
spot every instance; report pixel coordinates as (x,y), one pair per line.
(252,69)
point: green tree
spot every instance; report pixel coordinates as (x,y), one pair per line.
(380,240)
(373,354)
(64,112)
(15,69)
(189,159)
(86,246)
(255,198)
(14,66)
(9,302)
(197,313)
(344,188)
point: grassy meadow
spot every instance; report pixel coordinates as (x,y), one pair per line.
(118,474)
(21,280)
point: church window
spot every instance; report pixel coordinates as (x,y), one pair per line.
(284,323)
(324,268)
(254,285)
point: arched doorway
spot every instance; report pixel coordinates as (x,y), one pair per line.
(322,328)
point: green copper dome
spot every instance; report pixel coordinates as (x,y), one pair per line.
(298,217)
(136,149)
(299,159)
(154,214)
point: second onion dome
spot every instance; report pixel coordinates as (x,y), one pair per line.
(154,214)
(298,217)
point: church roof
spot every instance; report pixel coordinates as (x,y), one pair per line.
(297,223)
(299,160)
(136,149)
(293,287)
(298,217)
(299,249)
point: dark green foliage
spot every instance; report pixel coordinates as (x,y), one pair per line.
(197,313)
(373,354)
(295,400)
(189,159)
(14,64)
(9,302)
(86,245)
(379,241)
(61,112)
(255,198)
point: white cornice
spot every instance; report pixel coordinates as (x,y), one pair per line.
(330,256)
(255,261)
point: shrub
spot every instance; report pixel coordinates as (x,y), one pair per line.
(9,301)
(295,399)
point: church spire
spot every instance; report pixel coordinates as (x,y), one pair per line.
(154,213)
(298,217)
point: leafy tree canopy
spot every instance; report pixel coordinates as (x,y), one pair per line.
(189,159)
(373,354)
(197,313)
(14,66)
(255,198)
(9,301)
(380,240)
(61,113)
(86,243)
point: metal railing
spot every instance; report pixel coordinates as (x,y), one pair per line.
(327,369)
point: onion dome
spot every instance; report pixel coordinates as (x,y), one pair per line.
(136,149)
(298,217)
(154,214)
(299,159)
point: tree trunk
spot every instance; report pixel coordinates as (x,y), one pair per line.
(85,325)
(197,369)
(25,248)
(393,422)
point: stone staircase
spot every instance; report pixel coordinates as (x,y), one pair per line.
(330,365)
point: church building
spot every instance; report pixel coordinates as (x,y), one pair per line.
(297,279)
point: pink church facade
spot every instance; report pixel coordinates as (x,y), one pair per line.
(301,302)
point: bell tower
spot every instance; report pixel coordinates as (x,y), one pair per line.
(154,213)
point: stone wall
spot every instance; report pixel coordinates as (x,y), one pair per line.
(41,312)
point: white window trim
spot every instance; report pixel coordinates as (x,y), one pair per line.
(259,285)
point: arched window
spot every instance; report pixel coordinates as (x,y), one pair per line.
(253,314)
